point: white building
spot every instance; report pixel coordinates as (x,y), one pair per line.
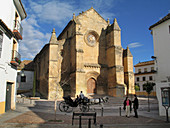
(145,72)
(12,13)
(25,76)
(161,39)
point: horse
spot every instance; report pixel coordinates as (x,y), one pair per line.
(98,100)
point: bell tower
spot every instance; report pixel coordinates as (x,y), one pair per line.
(116,86)
(128,70)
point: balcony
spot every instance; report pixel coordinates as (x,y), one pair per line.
(146,72)
(18,29)
(16,58)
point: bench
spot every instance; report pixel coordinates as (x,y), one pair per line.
(79,115)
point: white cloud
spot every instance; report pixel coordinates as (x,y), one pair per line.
(134,45)
(33,39)
(107,15)
(56,13)
(49,12)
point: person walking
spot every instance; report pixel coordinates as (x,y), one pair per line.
(135,105)
(127,106)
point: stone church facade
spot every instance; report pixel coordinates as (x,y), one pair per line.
(87,56)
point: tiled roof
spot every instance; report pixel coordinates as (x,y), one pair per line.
(167,17)
(145,63)
(26,65)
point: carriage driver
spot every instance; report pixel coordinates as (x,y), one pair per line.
(81,95)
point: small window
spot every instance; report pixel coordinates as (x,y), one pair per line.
(145,69)
(152,68)
(1,39)
(150,78)
(137,78)
(139,70)
(23,78)
(144,78)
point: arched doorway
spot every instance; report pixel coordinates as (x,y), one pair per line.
(91,86)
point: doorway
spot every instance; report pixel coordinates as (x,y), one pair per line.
(8,96)
(91,86)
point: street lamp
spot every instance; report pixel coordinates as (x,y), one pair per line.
(22,73)
(153,57)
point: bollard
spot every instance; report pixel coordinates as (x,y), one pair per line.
(101,126)
(89,123)
(120,111)
(30,101)
(22,99)
(79,121)
(102,111)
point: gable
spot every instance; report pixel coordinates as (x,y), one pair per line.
(88,19)
(90,15)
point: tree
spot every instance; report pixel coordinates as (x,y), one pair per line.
(148,86)
(137,88)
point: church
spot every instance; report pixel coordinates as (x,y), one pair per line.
(87,56)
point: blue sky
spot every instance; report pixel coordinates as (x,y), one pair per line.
(134,18)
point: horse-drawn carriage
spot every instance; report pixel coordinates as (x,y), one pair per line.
(68,104)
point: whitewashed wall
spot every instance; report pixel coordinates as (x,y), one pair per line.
(161,39)
(7,12)
(8,73)
(7,15)
(28,85)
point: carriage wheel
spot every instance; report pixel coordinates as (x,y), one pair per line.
(84,108)
(63,107)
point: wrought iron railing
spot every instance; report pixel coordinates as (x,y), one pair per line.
(16,56)
(18,27)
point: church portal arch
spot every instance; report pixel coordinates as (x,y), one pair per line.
(91,86)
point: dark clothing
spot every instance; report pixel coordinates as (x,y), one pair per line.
(136,113)
(135,106)
(135,103)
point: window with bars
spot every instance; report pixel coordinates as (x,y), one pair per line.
(139,70)
(145,69)
(152,68)
(1,40)
(23,78)
(150,78)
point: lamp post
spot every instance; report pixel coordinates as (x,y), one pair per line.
(22,73)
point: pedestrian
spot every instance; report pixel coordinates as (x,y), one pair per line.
(135,105)
(127,106)
(81,95)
